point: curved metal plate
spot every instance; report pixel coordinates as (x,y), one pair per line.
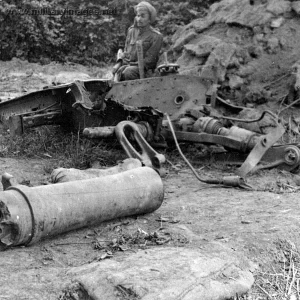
(172,94)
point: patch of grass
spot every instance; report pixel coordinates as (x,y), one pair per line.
(69,150)
(280,280)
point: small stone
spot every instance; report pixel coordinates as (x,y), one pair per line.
(296,7)
(235,81)
(273,44)
(277,22)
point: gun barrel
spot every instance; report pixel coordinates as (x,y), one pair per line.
(28,214)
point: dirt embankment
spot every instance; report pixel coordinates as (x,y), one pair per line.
(248,47)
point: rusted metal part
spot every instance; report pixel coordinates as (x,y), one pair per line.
(64,175)
(173,94)
(63,104)
(233,181)
(204,138)
(259,150)
(51,96)
(17,124)
(148,119)
(98,106)
(8,180)
(247,138)
(167,68)
(140,55)
(82,104)
(30,214)
(148,156)
(210,131)
(99,132)
(76,108)
(261,147)
(283,157)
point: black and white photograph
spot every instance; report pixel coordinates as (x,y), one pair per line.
(149,150)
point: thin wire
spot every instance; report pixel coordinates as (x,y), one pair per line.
(251,120)
(237,181)
(180,152)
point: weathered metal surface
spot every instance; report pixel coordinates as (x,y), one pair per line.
(262,151)
(99,132)
(284,157)
(29,214)
(64,175)
(56,98)
(31,102)
(173,94)
(263,144)
(204,138)
(148,156)
(140,55)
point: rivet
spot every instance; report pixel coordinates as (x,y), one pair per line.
(130,97)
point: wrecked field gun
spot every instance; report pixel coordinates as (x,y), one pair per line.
(148,113)
(197,114)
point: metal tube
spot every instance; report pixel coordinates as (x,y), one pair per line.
(63,175)
(29,214)
(99,132)
(140,55)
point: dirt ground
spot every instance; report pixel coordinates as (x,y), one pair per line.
(193,214)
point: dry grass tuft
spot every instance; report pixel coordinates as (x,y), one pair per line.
(69,150)
(280,280)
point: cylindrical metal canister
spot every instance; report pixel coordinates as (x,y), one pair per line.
(28,214)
